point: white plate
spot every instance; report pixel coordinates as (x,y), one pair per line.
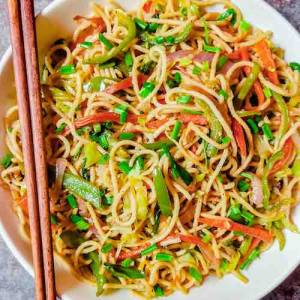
(265,273)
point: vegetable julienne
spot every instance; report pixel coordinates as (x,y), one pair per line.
(172,144)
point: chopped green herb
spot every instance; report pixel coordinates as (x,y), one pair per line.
(245,26)
(123,272)
(159,40)
(249,218)
(86,45)
(222,61)
(128,59)
(226,140)
(234,213)
(97,128)
(79,222)
(6,160)
(61,128)
(149,250)
(108,200)
(170,39)
(223,94)
(195,274)
(159,292)
(140,24)
(164,257)
(103,159)
(53,220)
(243,186)
(67,70)
(147,89)
(128,262)
(211,49)
(196,70)
(122,111)
(267,131)
(72,201)
(251,123)
(206,237)
(106,248)
(246,175)
(176,130)
(175,82)
(105,41)
(124,167)
(152,27)
(268,92)
(139,163)
(252,256)
(230,12)
(295,66)
(184,99)
(127,136)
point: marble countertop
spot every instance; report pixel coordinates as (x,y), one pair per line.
(16,283)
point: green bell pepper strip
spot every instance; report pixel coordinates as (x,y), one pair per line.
(159,145)
(124,272)
(215,128)
(162,193)
(73,240)
(265,184)
(183,36)
(249,82)
(284,112)
(128,23)
(83,189)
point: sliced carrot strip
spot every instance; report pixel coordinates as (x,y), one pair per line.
(239,136)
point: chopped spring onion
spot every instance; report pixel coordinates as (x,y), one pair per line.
(86,45)
(122,111)
(175,82)
(195,274)
(159,40)
(147,89)
(252,256)
(170,39)
(103,159)
(67,70)
(246,175)
(267,131)
(226,140)
(152,27)
(128,59)
(127,136)
(164,257)
(97,128)
(140,163)
(184,62)
(184,99)
(6,160)
(124,167)
(245,26)
(243,186)
(206,237)
(176,130)
(268,92)
(140,24)
(149,250)
(105,41)
(192,112)
(72,201)
(108,200)
(211,49)
(53,220)
(79,222)
(221,62)
(106,248)
(248,217)
(196,70)
(205,66)
(159,292)
(223,94)
(123,272)
(234,213)
(159,145)
(128,262)
(61,128)
(230,12)
(295,66)
(251,123)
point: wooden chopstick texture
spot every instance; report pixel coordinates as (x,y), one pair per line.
(23,37)
(27,145)
(32,67)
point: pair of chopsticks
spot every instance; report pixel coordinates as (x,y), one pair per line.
(26,69)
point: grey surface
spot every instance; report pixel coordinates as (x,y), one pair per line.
(16,284)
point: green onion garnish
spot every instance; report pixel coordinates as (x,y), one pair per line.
(159,292)
(108,200)
(106,248)
(206,237)
(205,66)
(295,66)
(61,128)
(252,125)
(6,160)
(124,167)
(128,59)
(53,220)
(105,41)
(196,70)
(149,250)
(267,131)
(140,163)
(192,112)
(176,130)
(268,92)
(226,140)
(147,89)
(67,70)
(122,111)
(72,201)
(230,12)
(184,99)
(127,136)
(152,27)
(86,45)
(206,32)
(243,186)
(245,26)
(252,256)
(128,262)
(212,49)
(222,61)
(140,23)
(79,222)
(170,39)
(97,127)
(234,213)
(223,94)
(103,141)
(246,175)
(248,217)
(103,159)
(195,274)
(164,257)
(159,40)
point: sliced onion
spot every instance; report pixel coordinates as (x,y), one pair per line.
(257,197)
(204,56)
(226,67)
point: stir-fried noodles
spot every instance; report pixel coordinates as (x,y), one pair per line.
(172,136)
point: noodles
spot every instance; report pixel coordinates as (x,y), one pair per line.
(164,124)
